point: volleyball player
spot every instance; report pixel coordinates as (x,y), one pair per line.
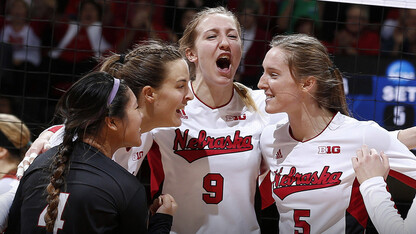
(313,182)
(76,187)
(210,163)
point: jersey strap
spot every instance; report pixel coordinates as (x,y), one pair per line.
(155,161)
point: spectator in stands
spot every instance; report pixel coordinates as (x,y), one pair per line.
(390,23)
(356,38)
(268,10)
(26,54)
(255,43)
(8,105)
(18,32)
(179,13)
(78,42)
(6,68)
(306,26)
(291,11)
(140,27)
(403,37)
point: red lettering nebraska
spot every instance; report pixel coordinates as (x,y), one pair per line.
(205,146)
(283,184)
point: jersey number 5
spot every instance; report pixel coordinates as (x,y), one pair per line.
(297,214)
(214,184)
(59,223)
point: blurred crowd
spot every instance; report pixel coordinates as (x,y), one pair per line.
(51,43)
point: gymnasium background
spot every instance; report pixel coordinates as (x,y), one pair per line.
(46,45)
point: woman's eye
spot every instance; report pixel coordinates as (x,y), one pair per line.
(211,37)
(232,36)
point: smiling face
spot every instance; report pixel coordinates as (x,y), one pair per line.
(283,94)
(172,96)
(132,122)
(217,50)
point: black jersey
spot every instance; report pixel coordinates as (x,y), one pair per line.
(99,196)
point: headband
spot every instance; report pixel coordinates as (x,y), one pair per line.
(6,143)
(121,59)
(113,93)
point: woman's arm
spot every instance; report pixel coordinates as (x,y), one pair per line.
(371,169)
(40,145)
(408,137)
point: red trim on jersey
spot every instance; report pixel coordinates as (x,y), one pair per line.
(11,176)
(291,135)
(157,175)
(192,88)
(266,192)
(403,178)
(356,207)
(54,129)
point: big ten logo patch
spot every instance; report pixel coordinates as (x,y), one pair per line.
(137,155)
(329,149)
(235,117)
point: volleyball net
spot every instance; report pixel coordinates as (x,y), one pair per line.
(371,41)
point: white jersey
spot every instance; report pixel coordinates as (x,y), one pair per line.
(210,165)
(313,182)
(381,209)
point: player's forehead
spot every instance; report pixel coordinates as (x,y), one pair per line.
(217,22)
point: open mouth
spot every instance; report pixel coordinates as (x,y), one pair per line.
(223,62)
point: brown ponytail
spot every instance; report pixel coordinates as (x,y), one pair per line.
(145,64)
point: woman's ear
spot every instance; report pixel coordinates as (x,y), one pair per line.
(3,152)
(190,55)
(308,84)
(111,123)
(149,94)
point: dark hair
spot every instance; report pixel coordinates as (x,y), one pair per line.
(84,108)
(96,5)
(145,64)
(10,5)
(306,56)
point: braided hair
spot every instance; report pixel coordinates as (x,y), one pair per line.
(83,108)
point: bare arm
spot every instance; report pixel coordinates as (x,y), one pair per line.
(40,145)
(370,168)
(408,137)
